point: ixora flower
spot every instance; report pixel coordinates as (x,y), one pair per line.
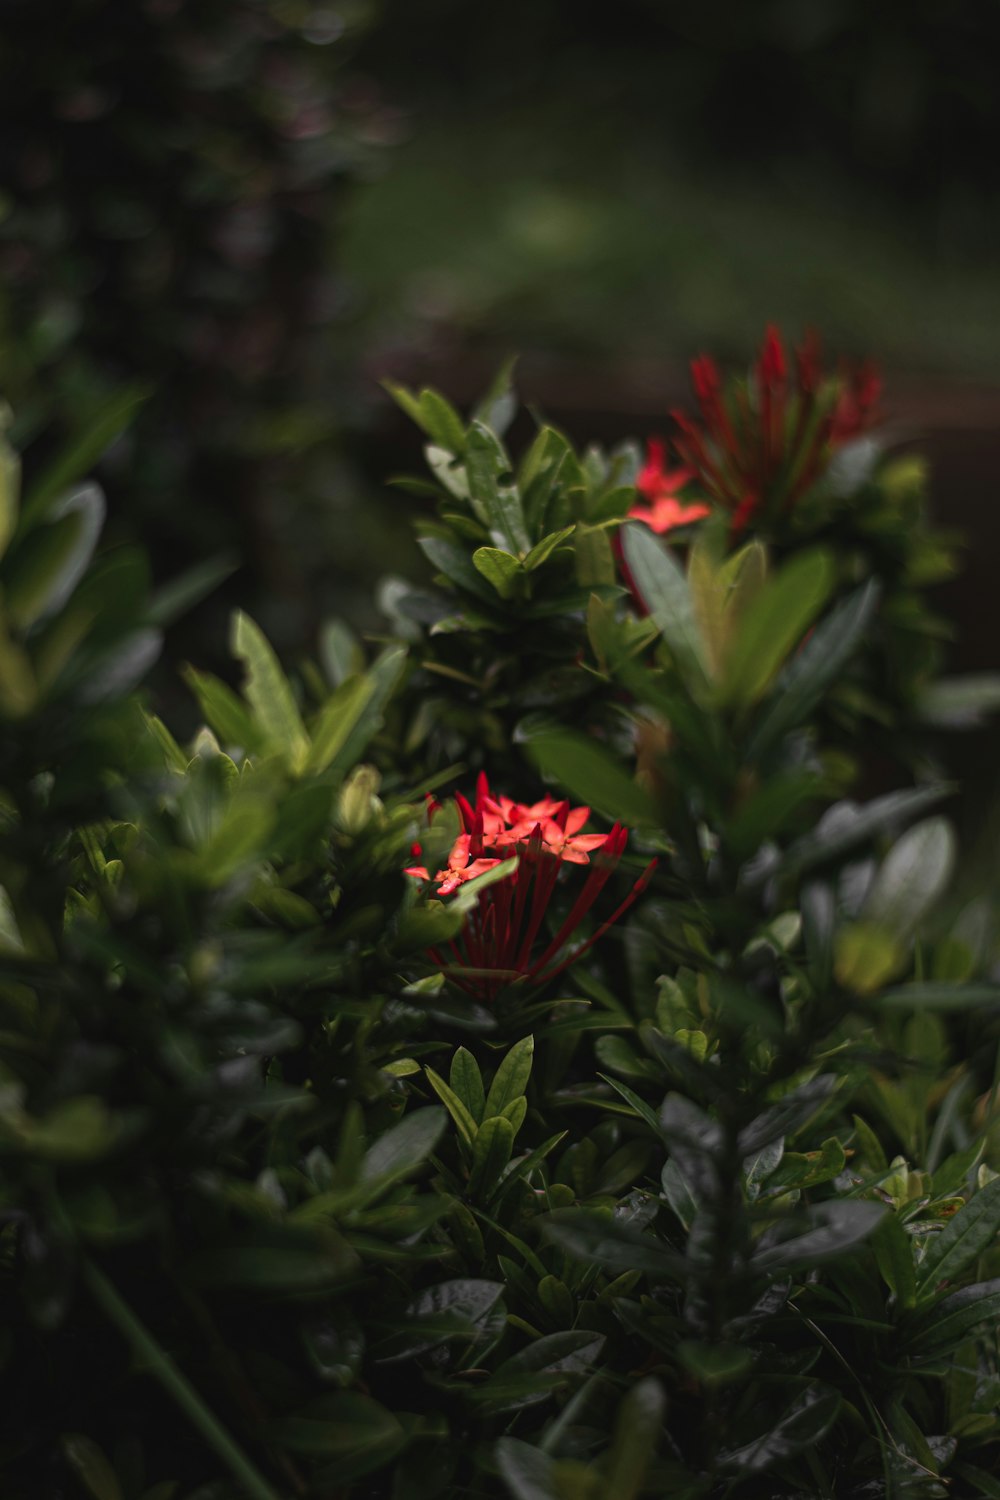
(660,487)
(760,444)
(502,942)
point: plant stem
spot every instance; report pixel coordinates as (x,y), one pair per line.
(176,1384)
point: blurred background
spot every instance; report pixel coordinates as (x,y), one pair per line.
(251,211)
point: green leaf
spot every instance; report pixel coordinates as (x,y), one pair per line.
(940,996)
(637,1433)
(528,1473)
(845,827)
(104,426)
(450,1310)
(893,1249)
(832,1229)
(544,549)
(346,1425)
(865,957)
(714,1364)
(810,671)
(594,560)
(530,1375)
(500,568)
(805,1421)
(406,401)
(267,691)
(236,840)
(178,596)
(593,774)
(963,1239)
(491,1151)
(467,1083)
(338,716)
(224,712)
(911,877)
(456,565)
(511,1077)
(455,1106)
(384,676)
(90,1466)
(441,421)
(310,1263)
(404,1147)
(665,593)
(774,623)
(614,1246)
(496,408)
(50,562)
(946,1324)
(488,469)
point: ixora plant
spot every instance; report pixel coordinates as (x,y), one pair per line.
(522,1064)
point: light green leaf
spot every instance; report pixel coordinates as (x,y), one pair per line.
(500,568)
(338,716)
(268,692)
(456,1107)
(774,623)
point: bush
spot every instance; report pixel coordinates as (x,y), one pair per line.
(362,1143)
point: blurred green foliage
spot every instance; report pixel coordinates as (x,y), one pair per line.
(663,176)
(173,179)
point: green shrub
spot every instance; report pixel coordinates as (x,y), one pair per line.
(662,1165)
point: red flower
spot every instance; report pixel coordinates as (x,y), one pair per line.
(660,486)
(761,444)
(501,938)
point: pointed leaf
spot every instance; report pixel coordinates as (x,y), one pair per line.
(774,623)
(268,692)
(664,591)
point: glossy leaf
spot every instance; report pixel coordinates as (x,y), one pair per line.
(963,1239)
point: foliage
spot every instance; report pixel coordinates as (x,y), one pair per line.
(293,1208)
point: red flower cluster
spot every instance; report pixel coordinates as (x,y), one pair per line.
(497,946)
(760,444)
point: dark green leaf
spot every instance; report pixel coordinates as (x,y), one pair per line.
(491,1151)
(845,827)
(347,1425)
(810,671)
(664,591)
(962,1240)
(831,1230)
(946,1324)
(511,1079)
(404,1147)
(806,1419)
(591,773)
